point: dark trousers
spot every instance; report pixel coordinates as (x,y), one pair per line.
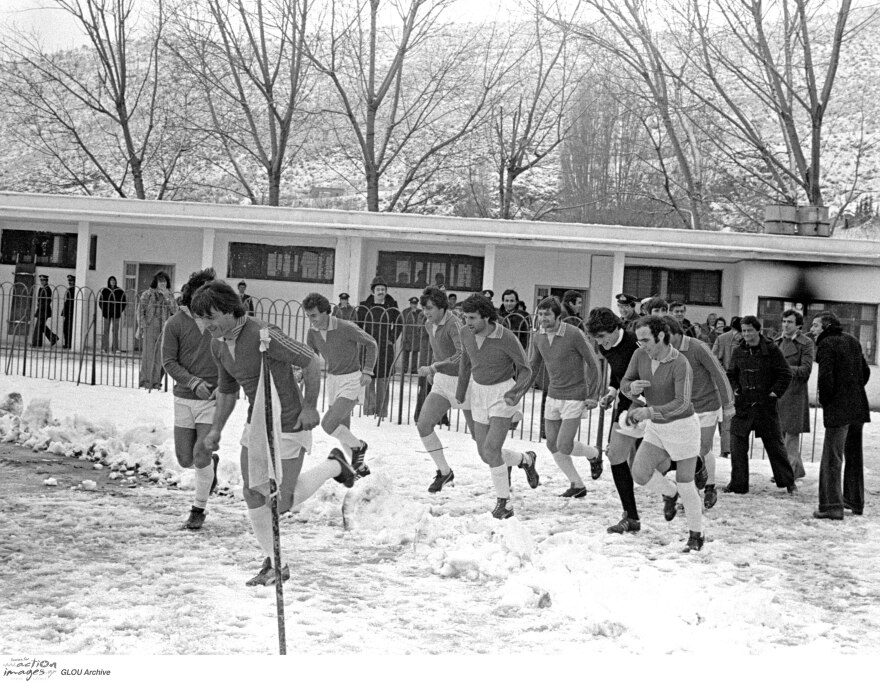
(842,449)
(41,329)
(67,329)
(767,429)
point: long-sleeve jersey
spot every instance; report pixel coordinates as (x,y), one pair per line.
(618,358)
(711,389)
(669,395)
(445,341)
(571,363)
(339,347)
(499,358)
(239,363)
(186,354)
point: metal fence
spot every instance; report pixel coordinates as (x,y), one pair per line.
(84,353)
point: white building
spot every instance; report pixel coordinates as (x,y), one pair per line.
(284,253)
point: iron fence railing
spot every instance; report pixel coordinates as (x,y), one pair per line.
(84,352)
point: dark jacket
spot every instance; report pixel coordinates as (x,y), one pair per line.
(382,322)
(794,406)
(413,324)
(69,299)
(618,359)
(843,374)
(111,301)
(518,322)
(44,302)
(754,374)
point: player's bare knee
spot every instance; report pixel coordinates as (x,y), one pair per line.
(566,447)
(641,473)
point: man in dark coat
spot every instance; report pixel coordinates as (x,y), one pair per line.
(413,323)
(794,405)
(843,374)
(42,314)
(758,374)
(112,302)
(67,311)
(513,315)
(379,316)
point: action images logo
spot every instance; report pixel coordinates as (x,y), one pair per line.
(29,669)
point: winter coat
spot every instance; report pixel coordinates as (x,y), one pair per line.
(843,374)
(69,302)
(518,322)
(794,405)
(155,305)
(413,323)
(112,301)
(754,374)
(382,322)
(44,302)
(723,347)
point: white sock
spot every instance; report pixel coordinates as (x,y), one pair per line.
(661,485)
(261,522)
(581,450)
(309,481)
(204,478)
(709,463)
(499,480)
(511,458)
(435,449)
(566,466)
(693,505)
(346,437)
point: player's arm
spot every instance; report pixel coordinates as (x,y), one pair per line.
(308,416)
(371,353)
(464,376)
(291,352)
(631,375)
(592,373)
(719,379)
(170,353)
(536,360)
(523,371)
(227,396)
(454,360)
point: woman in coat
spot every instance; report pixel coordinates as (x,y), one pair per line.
(155,306)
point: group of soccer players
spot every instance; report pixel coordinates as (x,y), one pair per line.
(669,392)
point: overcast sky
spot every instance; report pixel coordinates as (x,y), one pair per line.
(58,30)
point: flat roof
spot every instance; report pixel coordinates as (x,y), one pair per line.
(647,242)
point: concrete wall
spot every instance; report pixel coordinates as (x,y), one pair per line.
(524,269)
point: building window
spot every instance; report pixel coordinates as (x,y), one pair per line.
(693,287)
(47,249)
(858,319)
(287,263)
(417,270)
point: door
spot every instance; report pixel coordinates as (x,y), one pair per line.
(542,291)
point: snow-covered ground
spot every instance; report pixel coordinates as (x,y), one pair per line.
(88,572)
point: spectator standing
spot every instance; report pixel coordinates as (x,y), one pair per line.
(112,302)
(794,404)
(758,374)
(345,310)
(626,308)
(155,306)
(379,317)
(43,314)
(843,374)
(678,310)
(723,347)
(67,312)
(413,323)
(246,300)
(513,315)
(707,329)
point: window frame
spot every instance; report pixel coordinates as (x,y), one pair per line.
(448,264)
(68,247)
(237,266)
(661,278)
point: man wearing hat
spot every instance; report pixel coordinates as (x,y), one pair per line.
(488,293)
(626,307)
(379,317)
(344,310)
(42,314)
(413,325)
(67,311)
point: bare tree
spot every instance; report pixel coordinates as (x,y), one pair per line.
(94,113)
(248,58)
(532,120)
(408,86)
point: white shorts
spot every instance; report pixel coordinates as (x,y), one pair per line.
(680,439)
(445,386)
(709,418)
(559,408)
(344,386)
(291,443)
(189,411)
(488,401)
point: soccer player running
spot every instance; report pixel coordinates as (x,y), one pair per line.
(574,386)
(617,346)
(340,343)
(444,334)
(665,378)
(711,395)
(491,358)
(236,350)
(186,358)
